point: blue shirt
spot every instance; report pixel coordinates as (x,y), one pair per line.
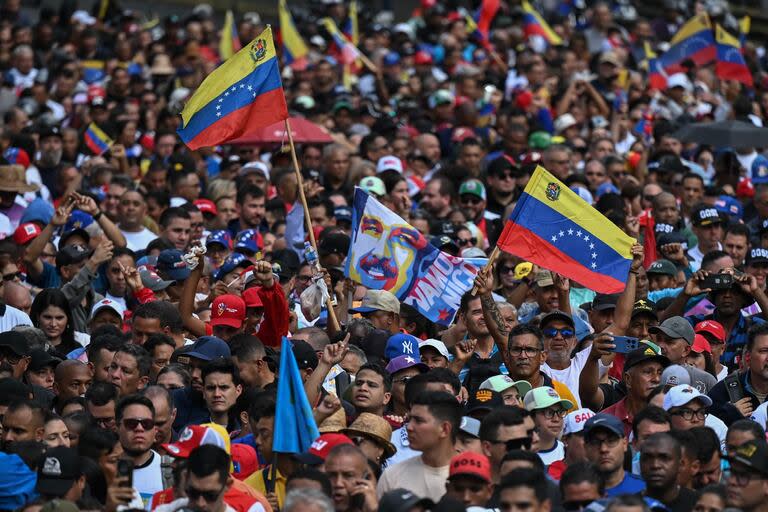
(49,278)
(630,485)
(737,338)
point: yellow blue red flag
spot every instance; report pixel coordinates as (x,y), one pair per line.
(554,228)
(348,52)
(229,44)
(242,95)
(96,139)
(535,25)
(730,62)
(695,41)
(294,49)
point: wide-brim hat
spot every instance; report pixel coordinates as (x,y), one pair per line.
(336,422)
(374,427)
(13,179)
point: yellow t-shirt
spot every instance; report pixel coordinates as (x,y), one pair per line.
(256,481)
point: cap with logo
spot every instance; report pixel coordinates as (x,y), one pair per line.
(554,316)
(729,206)
(320,448)
(401,344)
(759,170)
(26,233)
(58,471)
(675,327)
(473,187)
(373,185)
(575,421)
(470,464)
(753,454)
(233,262)
(378,300)
(757,256)
(244,459)
(374,427)
(674,375)
(501,383)
(109,304)
(342,214)
(208,348)
(706,216)
(683,394)
(206,206)
(71,255)
(444,242)
(544,397)
(151,280)
(171,265)
(544,278)
(228,310)
(194,436)
(220,237)
(470,426)
(644,354)
(401,363)
(402,500)
(248,240)
(334,243)
(644,307)
(437,345)
(663,268)
(712,327)
(604,421)
(484,400)
(389,163)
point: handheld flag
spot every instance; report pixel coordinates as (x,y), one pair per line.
(295,51)
(473,31)
(93,71)
(239,97)
(554,228)
(348,52)
(350,28)
(229,44)
(745,24)
(96,140)
(730,62)
(387,253)
(295,427)
(657,77)
(535,25)
(488,10)
(694,41)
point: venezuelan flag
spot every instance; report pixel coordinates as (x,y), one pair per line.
(230,41)
(730,62)
(350,28)
(348,52)
(295,51)
(473,31)
(534,25)
(694,41)
(93,71)
(488,10)
(554,228)
(240,96)
(96,140)
(745,24)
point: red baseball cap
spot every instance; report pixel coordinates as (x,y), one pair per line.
(321,447)
(252,299)
(190,438)
(228,310)
(472,464)
(244,460)
(716,329)
(26,232)
(700,344)
(206,206)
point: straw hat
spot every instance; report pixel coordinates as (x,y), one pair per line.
(13,179)
(374,427)
(162,65)
(334,423)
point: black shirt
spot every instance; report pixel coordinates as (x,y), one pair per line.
(685,501)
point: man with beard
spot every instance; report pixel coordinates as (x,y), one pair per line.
(49,162)
(659,466)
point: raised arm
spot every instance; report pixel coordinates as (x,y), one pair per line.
(333,354)
(195,326)
(691,289)
(88,205)
(589,378)
(623,314)
(36,247)
(491,314)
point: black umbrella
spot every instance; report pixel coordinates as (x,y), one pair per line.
(735,134)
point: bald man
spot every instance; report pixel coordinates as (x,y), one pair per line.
(71,379)
(17,296)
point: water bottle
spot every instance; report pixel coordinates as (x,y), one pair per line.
(310,254)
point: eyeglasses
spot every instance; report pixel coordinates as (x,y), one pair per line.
(551,413)
(471,200)
(577,505)
(521,443)
(742,478)
(133,423)
(104,422)
(466,241)
(551,332)
(209,496)
(688,414)
(10,358)
(11,277)
(529,351)
(506,270)
(505,176)
(597,442)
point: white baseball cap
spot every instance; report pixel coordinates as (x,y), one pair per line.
(501,383)
(108,303)
(437,345)
(679,80)
(683,394)
(574,421)
(389,162)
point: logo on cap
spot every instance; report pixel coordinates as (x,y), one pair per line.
(552,393)
(319,444)
(747,450)
(483,395)
(186,435)
(52,467)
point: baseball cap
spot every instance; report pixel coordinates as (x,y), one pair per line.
(244,460)
(228,310)
(753,454)
(484,400)
(373,185)
(58,471)
(544,278)
(564,122)
(26,232)
(556,315)
(728,205)
(700,344)
(254,167)
(470,464)
(679,80)
(389,163)
(208,348)
(334,243)
(305,355)
(39,359)
(221,237)
(378,300)
(758,255)
(643,354)
(401,345)
(72,254)
(682,394)
(576,420)
(194,436)
(342,214)
(605,421)
(252,298)
(444,242)
(441,97)
(108,304)
(712,327)
(320,448)
(401,500)
(501,383)
(403,363)
(644,307)
(233,261)
(544,397)
(603,301)
(14,341)
(759,170)
(662,267)
(171,265)
(674,375)
(151,280)
(206,206)
(473,187)
(706,216)
(437,345)
(610,57)
(470,426)
(675,327)
(248,239)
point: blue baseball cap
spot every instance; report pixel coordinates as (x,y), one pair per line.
(78,220)
(208,348)
(729,205)
(232,262)
(392,59)
(221,237)
(38,210)
(606,421)
(246,239)
(343,213)
(171,265)
(759,170)
(606,188)
(401,345)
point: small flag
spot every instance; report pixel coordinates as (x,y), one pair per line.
(745,25)
(485,16)
(230,41)
(730,62)
(96,140)
(295,51)
(348,52)
(93,71)
(535,25)
(694,41)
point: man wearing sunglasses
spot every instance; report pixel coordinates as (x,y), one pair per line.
(135,416)
(207,479)
(548,412)
(606,449)
(473,200)
(502,430)
(748,480)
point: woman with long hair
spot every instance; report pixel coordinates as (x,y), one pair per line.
(52,314)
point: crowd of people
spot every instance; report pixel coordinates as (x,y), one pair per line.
(146,289)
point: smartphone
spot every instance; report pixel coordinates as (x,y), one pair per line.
(125,470)
(356,501)
(625,344)
(717,281)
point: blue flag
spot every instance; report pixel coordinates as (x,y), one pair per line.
(295,427)
(387,253)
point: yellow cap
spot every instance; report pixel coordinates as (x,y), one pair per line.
(523,269)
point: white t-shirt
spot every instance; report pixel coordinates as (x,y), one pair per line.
(415,476)
(723,374)
(718,426)
(138,241)
(553,455)
(759,415)
(13,317)
(570,375)
(148,479)
(404,451)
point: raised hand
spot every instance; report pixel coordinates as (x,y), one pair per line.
(334,353)
(132,277)
(693,286)
(637,257)
(465,349)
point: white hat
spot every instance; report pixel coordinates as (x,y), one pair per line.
(388,162)
(108,303)
(83,18)
(683,394)
(679,80)
(437,345)
(574,421)
(564,122)
(254,167)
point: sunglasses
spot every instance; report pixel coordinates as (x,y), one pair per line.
(471,200)
(551,332)
(466,241)
(133,423)
(209,496)
(11,277)
(506,270)
(522,443)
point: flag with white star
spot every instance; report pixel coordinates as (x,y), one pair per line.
(554,228)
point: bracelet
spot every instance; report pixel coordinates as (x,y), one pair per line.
(98,215)
(636,272)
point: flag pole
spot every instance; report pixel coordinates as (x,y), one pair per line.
(333,321)
(491,260)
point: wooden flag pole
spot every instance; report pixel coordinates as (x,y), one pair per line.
(334,322)
(491,260)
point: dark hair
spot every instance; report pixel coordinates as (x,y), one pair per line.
(507,416)
(159,244)
(54,297)
(582,472)
(707,443)
(528,478)
(687,442)
(133,400)
(443,376)
(756,330)
(442,406)
(524,456)
(171,213)
(95,442)
(717,489)
(655,415)
(246,347)
(167,313)
(627,500)
(314,474)
(155,340)
(96,484)
(712,256)
(248,190)
(106,342)
(101,393)
(693,175)
(31,452)
(378,369)
(737,229)
(660,437)
(263,406)
(222,365)
(142,357)
(179,370)
(465,300)
(37,409)
(207,460)
(747,425)
(523,329)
